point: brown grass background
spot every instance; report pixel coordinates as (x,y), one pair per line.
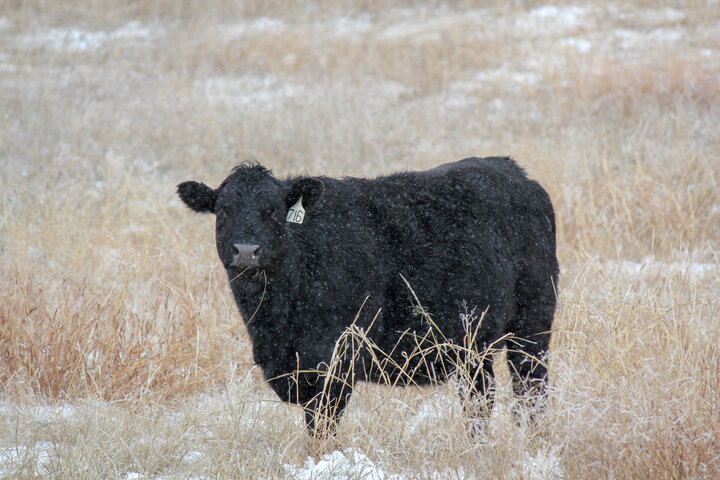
(120,347)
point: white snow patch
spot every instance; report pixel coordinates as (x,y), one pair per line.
(8,68)
(498,75)
(41,413)
(39,454)
(658,16)
(52,412)
(432,412)
(544,465)
(74,40)
(140,476)
(193,456)
(649,268)
(673,15)
(552,18)
(265,24)
(405,29)
(250,89)
(259,25)
(390,88)
(270,90)
(524,77)
(352,464)
(351,25)
(631,39)
(458,100)
(428,28)
(580,44)
(5,23)
(567,15)
(349,464)
(342,26)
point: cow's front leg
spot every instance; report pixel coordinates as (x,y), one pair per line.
(323,412)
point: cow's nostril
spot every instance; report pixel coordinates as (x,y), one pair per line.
(245,255)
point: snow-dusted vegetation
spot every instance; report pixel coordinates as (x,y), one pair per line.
(122,355)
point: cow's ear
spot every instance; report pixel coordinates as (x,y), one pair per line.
(310,189)
(198,196)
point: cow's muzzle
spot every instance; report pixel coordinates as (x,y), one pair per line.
(245,255)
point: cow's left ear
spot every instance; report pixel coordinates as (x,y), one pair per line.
(198,196)
(310,189)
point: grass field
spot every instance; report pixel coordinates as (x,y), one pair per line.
(122,355)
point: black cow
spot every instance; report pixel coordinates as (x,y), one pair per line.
(401,259)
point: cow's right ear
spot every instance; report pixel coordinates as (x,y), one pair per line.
(198,196)
(310,189)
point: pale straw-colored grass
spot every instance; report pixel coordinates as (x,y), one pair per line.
(121,349)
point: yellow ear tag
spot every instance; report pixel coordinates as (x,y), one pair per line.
(296,214)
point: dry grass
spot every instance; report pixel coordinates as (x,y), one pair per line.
(121,348)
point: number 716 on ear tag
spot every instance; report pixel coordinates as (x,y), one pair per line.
(296,213)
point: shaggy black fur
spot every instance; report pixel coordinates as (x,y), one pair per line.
(471,234)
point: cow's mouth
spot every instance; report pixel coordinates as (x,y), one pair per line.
(245,255)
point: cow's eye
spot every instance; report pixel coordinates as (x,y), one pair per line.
(267,211)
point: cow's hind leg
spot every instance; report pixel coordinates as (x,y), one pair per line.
(477,394)
(323,412)
(528,349)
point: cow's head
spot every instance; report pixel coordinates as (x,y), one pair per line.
(251,207)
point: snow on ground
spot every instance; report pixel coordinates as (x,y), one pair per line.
(632,39)
(581,45)
(40,413)
(555,32)
(256,26)
(432,412)
(504,74)
(404,24)
(267,91)
(41,454)
(350,25)
(352,464)
(75,40)
(348,464)
(250,90)
(340,26)
(550,18)
(640,278)
(140,476)
(542,466)
(653,16)
(651,268)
